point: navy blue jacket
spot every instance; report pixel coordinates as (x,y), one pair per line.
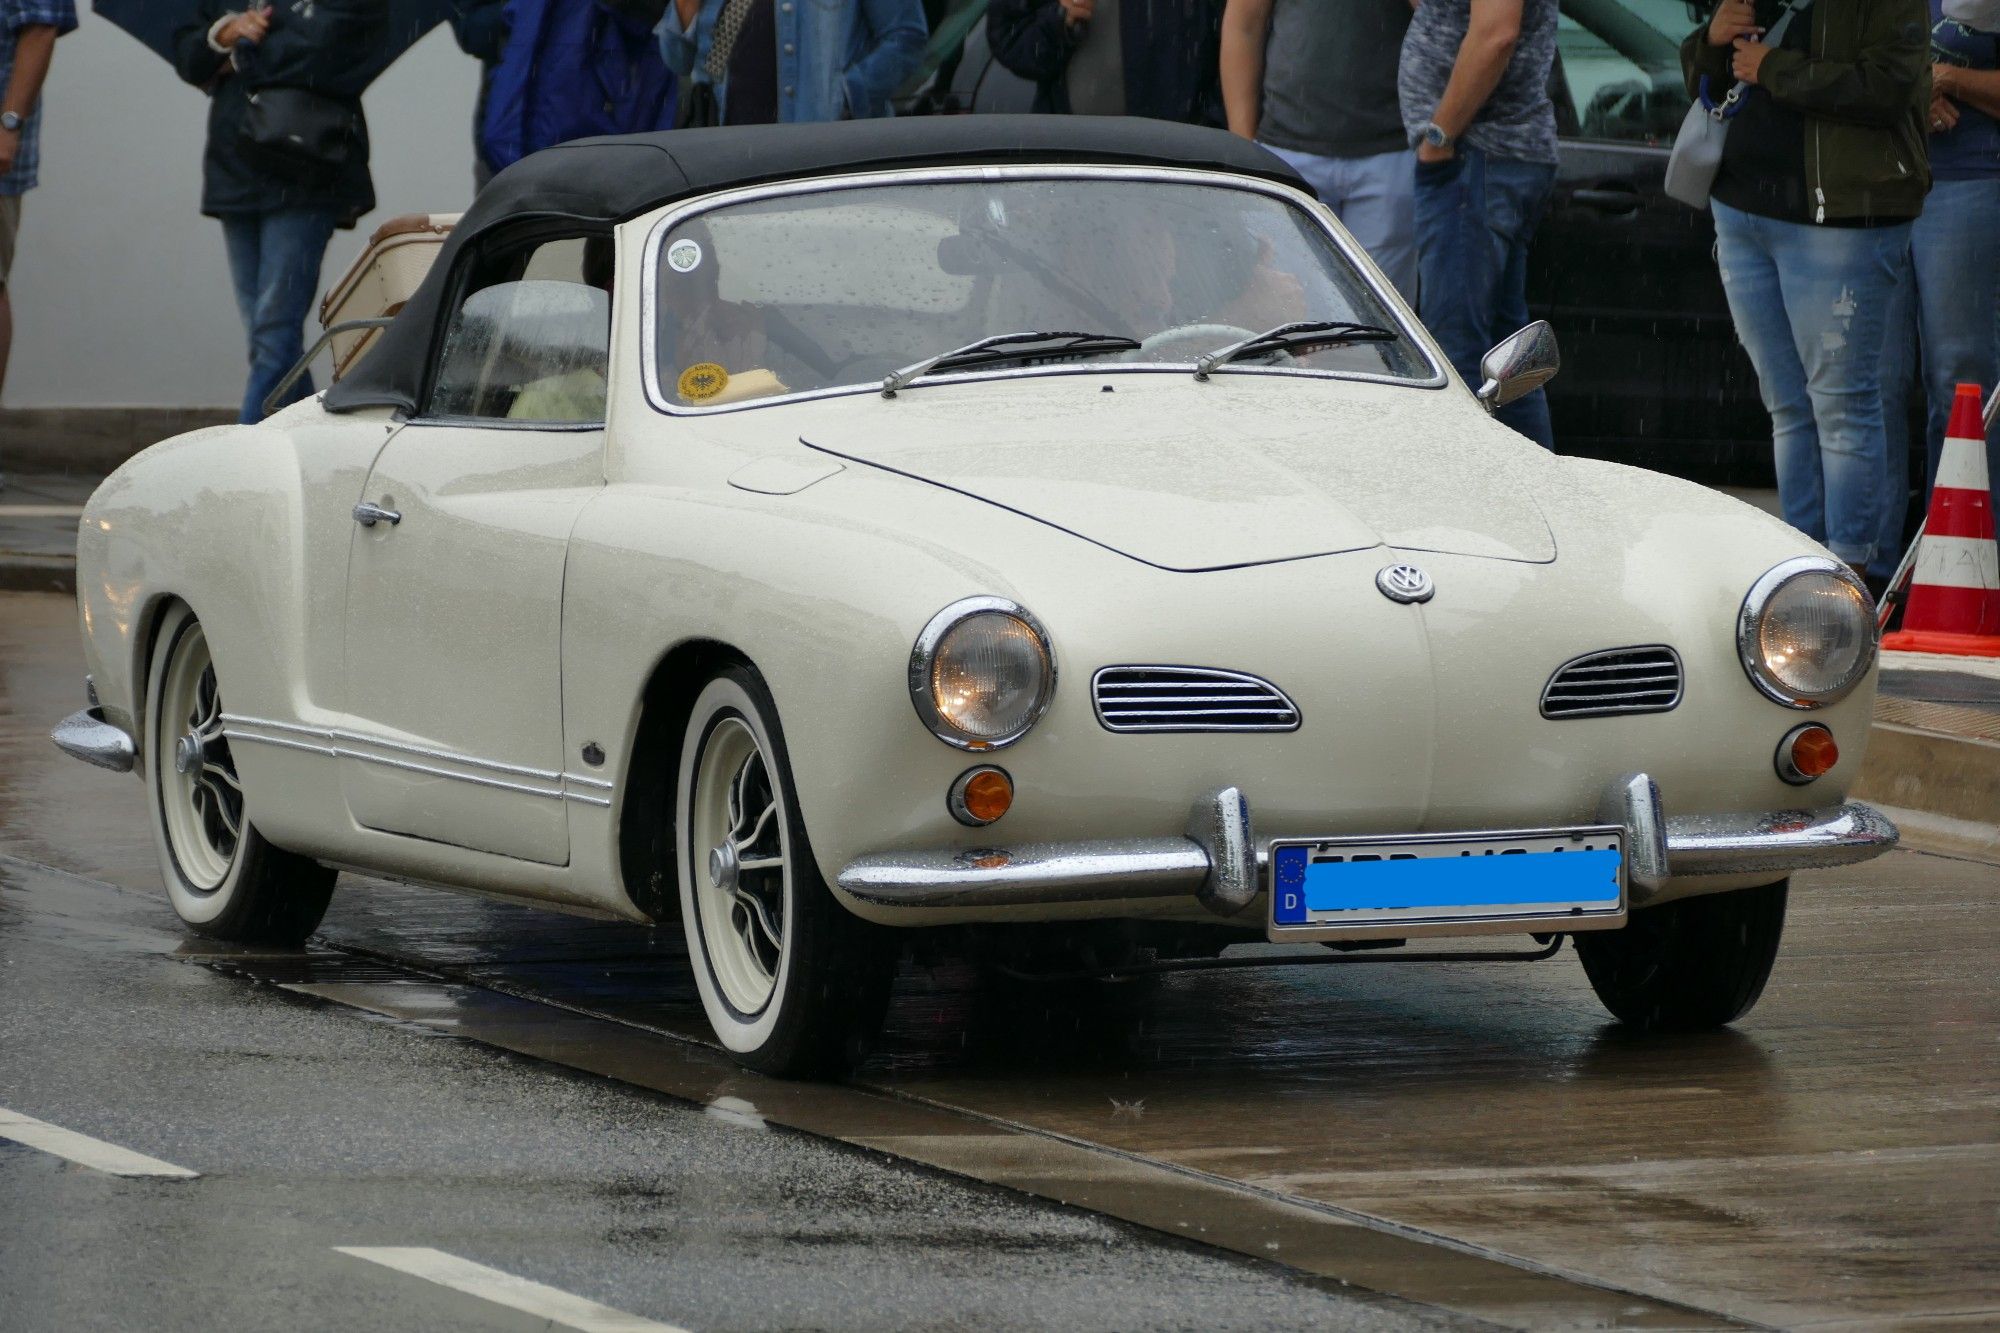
(325,52)
(1171,50)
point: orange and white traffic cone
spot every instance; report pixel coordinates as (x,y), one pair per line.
(1955,593)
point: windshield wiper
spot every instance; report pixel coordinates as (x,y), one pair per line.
(1295,338)
(1009,347)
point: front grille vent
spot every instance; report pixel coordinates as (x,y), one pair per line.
(1618,680)
(1171,698)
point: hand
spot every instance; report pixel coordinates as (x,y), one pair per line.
(249,26)
(1427,152)
(1733,19)
(1944,81)
(10,148)
(1077,11)
(1944,115)
(1749,58)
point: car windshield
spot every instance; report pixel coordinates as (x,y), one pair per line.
(840,288)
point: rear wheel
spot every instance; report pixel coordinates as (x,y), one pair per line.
(1688,965)
(793,983)
(222,877)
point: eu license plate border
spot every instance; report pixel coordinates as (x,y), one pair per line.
(1469,922)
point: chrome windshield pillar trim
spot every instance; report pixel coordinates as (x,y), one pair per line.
(1633,803)
(1038,873)
(1780,840)
(1220,825)
(85,735)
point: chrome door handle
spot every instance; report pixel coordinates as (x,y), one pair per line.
(368,515)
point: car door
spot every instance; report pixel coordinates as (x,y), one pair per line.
(1652,371)
(454,590)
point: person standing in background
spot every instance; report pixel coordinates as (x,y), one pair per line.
(1114,57)
(278,217)
(1823,169)
(481,29)
(1314,81)
(1474,89)
(28,32)
(761,62)
(1944,325)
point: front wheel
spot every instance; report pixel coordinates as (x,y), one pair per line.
(792,982)
(223,879)
(1688,965)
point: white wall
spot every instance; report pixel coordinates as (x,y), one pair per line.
(120,287)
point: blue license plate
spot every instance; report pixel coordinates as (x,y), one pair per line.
(1559,879)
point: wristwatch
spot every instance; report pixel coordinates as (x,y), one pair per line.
(1434,135)
(12,121)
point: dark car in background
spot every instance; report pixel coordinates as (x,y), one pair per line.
(1652,371)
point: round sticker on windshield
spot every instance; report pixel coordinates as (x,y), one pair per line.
(702,380)
(684,256)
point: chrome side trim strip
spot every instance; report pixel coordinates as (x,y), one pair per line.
(85,735)
(335,743)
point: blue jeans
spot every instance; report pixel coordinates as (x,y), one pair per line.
(1942,332)
(1811,307)
(1372,197)
(274,261)
(1475,216)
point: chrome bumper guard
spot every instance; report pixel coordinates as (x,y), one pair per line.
(85,735)
(1219,862)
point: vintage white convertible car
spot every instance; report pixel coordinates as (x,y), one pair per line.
(1023,526)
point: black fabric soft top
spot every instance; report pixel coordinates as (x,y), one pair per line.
(600,182)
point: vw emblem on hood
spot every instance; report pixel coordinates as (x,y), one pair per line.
(1405,583)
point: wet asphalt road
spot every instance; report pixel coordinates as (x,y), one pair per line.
(1477,1142)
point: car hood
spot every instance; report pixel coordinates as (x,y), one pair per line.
(1239,471)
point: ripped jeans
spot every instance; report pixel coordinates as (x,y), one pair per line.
(1811,307)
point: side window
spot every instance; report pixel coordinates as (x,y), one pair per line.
(1621,69)
(532,339)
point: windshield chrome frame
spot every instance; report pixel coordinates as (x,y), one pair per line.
(649,349)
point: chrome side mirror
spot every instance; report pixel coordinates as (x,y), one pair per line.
(1519,364)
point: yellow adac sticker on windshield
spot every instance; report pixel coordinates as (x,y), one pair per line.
(703,381)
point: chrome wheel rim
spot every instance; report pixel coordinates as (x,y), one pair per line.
(200,794)
(737,844)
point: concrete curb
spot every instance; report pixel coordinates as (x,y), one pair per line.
(37,573)
(93,441)
(1952,782)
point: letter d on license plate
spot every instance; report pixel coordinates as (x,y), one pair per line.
(1543,880)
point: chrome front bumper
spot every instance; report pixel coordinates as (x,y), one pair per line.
(1219,861)
(85,735)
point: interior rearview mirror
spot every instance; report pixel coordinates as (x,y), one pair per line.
(1519,364)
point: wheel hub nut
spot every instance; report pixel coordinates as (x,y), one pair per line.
(722,868)
(188,754)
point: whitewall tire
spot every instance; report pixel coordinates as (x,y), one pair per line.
(792,982)
(222,877)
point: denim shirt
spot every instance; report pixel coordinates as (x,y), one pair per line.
(837,59)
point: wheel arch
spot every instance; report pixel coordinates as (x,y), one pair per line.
(645,826)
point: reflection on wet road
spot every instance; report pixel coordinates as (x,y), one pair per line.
(1833,1159)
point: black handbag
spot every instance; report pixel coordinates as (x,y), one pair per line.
(298,134)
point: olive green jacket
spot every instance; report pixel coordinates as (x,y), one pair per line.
(1864,91)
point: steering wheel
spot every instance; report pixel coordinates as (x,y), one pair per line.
(1212,336)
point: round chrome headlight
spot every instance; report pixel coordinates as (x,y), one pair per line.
(1807,632)
(981,673)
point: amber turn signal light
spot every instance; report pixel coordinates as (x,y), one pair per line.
(1806,753)
(981,795)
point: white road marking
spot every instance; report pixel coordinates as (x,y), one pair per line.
(516,1293)
(84,1150)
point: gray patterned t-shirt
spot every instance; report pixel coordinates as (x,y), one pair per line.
(1518,120)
